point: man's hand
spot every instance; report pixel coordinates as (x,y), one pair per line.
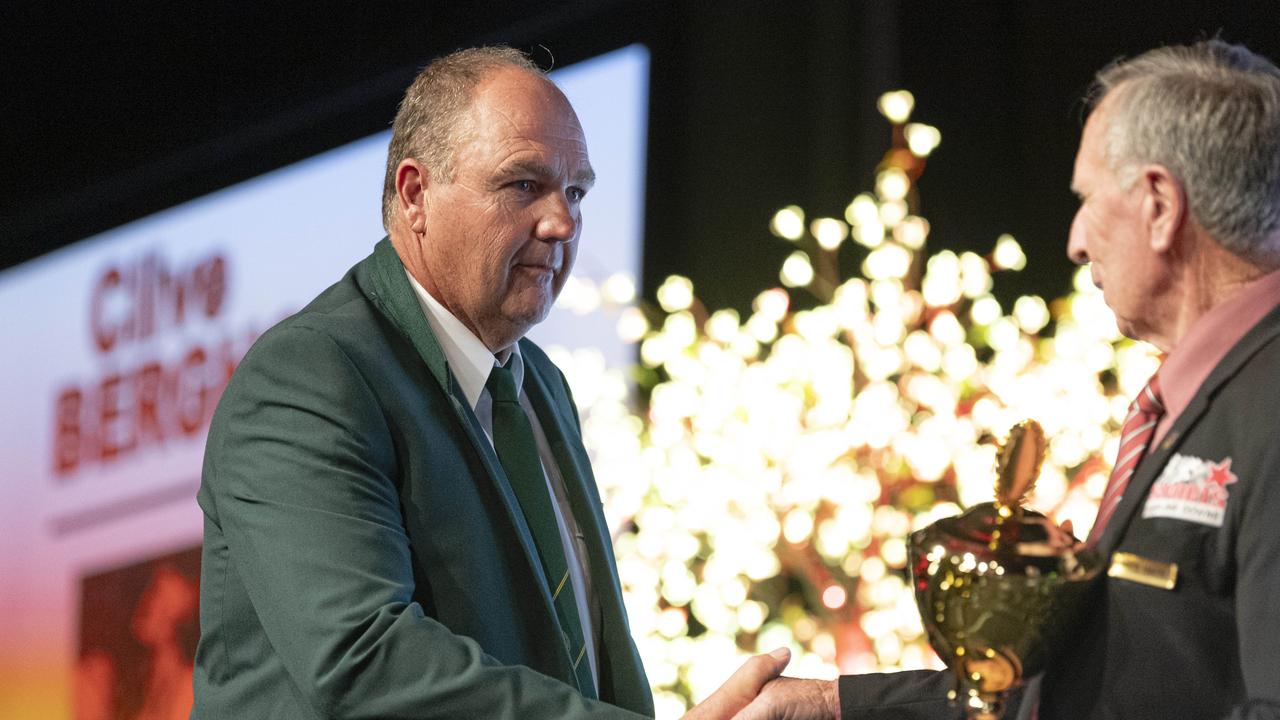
(793,699)
(741,688)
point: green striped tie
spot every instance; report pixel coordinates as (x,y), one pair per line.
(518,452)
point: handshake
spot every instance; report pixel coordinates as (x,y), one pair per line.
(756,691)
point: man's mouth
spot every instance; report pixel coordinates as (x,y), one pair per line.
(548,263)
(538,272)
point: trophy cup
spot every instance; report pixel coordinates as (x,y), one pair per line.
(998,585)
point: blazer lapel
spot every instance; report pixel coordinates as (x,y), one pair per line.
(1151,466)
(389,288)
(626,677)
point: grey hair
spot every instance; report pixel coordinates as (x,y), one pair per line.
(1210,113)
(428,126)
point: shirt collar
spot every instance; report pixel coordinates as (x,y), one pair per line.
(469,359)
(1210,338)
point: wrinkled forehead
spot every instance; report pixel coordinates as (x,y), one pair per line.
(1100,116)
(516,102)
(1093,138)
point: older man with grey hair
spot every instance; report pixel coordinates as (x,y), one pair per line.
(400,516)
(1178,175)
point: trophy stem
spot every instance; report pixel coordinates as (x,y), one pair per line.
(986,706)
(981,697)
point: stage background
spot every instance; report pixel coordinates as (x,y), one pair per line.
(114,112)
(118,348)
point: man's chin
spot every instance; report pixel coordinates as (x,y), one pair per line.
(1132,330)
(528,314)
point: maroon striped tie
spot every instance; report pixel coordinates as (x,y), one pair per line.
(1139,426)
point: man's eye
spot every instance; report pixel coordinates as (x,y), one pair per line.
(576,194)
(525,185)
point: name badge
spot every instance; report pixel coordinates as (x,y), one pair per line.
(1192,489)
(1127,566)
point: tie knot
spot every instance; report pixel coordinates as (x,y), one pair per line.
(502,385)
(1149,401)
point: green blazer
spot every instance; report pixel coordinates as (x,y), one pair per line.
(364,555)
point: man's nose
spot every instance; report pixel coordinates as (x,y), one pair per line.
(557,220)
(1077,248)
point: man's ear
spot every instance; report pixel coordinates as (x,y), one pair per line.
(411,194)
(1164,206)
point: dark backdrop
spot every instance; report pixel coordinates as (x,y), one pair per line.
(111,111)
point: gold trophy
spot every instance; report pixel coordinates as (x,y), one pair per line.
(998,585)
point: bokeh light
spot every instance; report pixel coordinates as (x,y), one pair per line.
(761,488)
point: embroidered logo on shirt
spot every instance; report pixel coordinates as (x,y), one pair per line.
(1191,489)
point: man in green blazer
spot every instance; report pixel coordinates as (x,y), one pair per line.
(367,551)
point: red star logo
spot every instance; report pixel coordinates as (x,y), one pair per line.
(1220,473)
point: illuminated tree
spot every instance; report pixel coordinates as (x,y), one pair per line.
(764,497)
